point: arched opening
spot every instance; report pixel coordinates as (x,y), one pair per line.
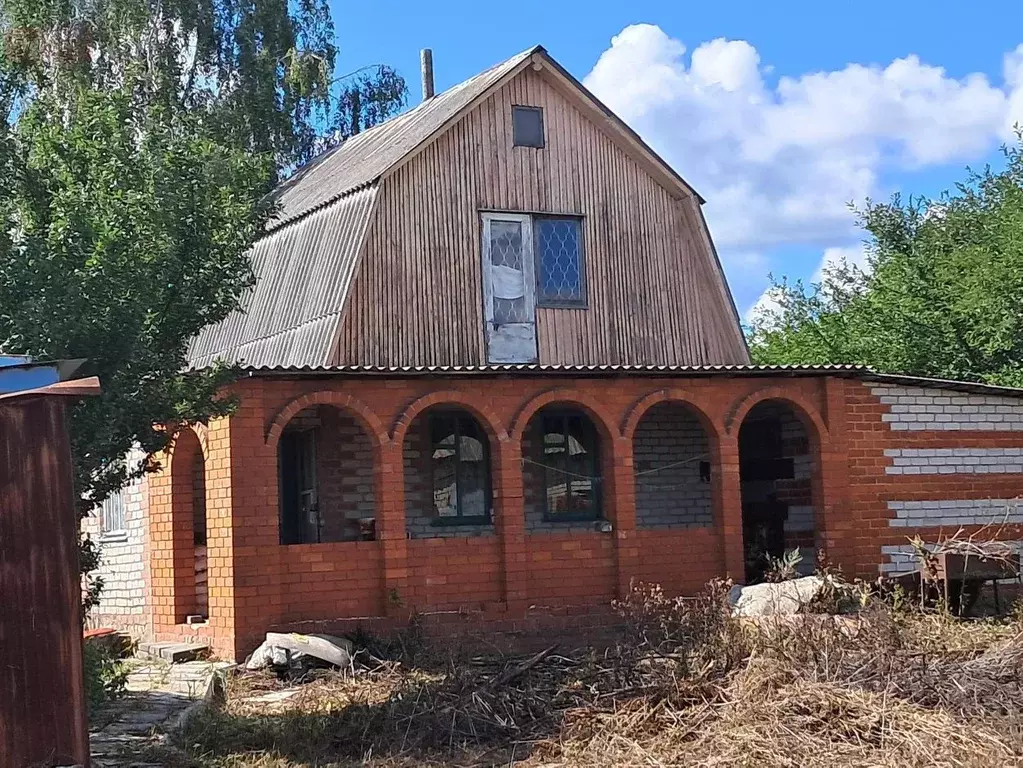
(447,470)
(325,478)
(562,471)
(671,467)
(776,469)
(188,505)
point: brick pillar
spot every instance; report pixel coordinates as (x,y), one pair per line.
(728,504)
(159,538)
(245,553)
(830,483)
(624,491)
(509,507)
(390,484)
(220,537)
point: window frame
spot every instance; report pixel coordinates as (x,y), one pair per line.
(118,533)
(543,127)
(488,485)
(541,300)
(597,469)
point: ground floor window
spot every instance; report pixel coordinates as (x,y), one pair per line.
(460,468)
(569,454)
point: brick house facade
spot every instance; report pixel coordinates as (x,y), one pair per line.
(500,377)
(850,494)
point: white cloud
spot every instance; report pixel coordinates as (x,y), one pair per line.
(851,255)
(779,163)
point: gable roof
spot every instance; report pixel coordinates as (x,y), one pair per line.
(304,266)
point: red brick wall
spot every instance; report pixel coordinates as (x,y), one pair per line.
(255,583)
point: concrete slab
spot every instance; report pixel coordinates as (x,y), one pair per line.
(175,653)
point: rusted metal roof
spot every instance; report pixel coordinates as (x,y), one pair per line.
(363,158)
(86,387)
(303,274)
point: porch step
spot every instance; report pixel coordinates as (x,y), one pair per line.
(175,653)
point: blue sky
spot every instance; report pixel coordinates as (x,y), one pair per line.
(778,113)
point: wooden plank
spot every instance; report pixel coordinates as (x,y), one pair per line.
(654,295)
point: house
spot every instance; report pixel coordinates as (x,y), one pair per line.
(492,368)
(42,704)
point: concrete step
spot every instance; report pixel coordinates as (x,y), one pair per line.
(175,653)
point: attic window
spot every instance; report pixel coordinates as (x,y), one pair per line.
(527,126)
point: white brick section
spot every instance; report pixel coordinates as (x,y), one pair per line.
(930,408)
(901,558)
(122,566)
(954,461)
(799,519)
(932,514)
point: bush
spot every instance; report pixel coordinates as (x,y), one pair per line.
(105,676)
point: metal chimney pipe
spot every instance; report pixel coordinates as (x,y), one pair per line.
(426,65)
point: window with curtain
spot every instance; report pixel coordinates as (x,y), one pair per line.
(460,467)
(571,463)
(112,513)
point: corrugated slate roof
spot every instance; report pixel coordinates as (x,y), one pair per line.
(846,370)
(303,274)
(363,158)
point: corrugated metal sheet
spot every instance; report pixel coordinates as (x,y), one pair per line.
(571,369)
(42,697)
(363,158)
(861,372)
(303,275)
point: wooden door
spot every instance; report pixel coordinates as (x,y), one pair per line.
(509,288)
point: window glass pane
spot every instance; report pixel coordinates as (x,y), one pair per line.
(527,126)
(472,470)
(112,513)
(509,282)
(445,466)
(460,467)
(559,258)
(571,467)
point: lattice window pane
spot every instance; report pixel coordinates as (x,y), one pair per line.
(509,279)
(560,265)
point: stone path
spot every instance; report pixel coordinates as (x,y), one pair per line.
(157,694)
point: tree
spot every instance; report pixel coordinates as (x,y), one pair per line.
(138,142)
(941,295)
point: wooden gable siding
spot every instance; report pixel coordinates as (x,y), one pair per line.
(653,290)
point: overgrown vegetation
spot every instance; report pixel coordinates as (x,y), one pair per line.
(688,684)
(105,676)
(940,295)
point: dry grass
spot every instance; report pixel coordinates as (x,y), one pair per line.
(688,685)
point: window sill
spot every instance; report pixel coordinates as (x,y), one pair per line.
(574,519)
(114,537)
(543,304)
(443,522)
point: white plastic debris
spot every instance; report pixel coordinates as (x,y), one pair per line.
(774,599)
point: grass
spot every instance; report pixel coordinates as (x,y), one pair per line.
(687,685)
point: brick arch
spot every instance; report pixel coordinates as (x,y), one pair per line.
(584,401)
(676,396)
(805,410)
(483,413)
(368,420)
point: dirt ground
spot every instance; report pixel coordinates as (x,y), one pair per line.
(688,684)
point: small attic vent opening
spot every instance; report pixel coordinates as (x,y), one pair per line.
(527,127)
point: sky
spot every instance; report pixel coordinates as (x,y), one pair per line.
(779,114)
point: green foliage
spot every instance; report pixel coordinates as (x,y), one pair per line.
(138,142)
(105,676)
(941,296)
